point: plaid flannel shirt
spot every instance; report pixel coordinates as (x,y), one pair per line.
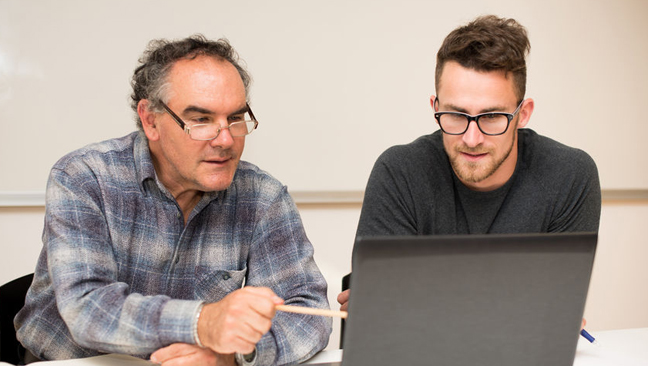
(120,272)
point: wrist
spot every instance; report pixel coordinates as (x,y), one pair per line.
(195,328)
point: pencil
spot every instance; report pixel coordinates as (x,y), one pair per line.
(311,311)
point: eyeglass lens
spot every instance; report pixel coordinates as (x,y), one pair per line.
(456,123)
(211,131)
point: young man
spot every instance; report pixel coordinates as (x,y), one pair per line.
(164,242)
(483,172)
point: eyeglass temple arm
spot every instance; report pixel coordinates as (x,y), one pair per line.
(252,115)
(177,119)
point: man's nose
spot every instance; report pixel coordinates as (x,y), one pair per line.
(473,135)
(224,139)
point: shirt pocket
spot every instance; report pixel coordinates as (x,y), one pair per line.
(213,285)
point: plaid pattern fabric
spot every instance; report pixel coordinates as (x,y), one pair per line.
(120,272)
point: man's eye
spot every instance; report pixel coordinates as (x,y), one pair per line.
(455,117)
(201,120)
(491,116)
(237,118)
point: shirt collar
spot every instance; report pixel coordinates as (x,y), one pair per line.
(145,171)
(144,168)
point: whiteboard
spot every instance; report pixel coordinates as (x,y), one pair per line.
(335,82)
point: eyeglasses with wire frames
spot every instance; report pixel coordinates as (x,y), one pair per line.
(244,123)
(491,123)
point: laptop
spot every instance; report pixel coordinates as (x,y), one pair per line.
(509,299)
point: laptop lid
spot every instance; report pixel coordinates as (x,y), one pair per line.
(510,299)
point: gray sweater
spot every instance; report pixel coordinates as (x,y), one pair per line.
(413,190)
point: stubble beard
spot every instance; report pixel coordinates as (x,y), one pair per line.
(475,172)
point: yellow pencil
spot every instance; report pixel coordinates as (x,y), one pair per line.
(311,311)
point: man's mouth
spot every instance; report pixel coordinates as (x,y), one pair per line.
(473,156)
(218,162)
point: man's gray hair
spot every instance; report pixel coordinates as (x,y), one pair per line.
(150,77)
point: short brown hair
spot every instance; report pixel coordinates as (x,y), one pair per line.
(488,43)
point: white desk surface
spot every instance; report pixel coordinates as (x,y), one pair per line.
(616,347)
(626,347)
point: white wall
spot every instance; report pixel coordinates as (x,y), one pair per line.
(617,297)
(328,75)
(337,73)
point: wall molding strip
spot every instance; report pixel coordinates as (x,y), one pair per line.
(37,198)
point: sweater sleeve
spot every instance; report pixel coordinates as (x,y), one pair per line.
(580,210)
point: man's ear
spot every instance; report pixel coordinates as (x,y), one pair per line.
(433,102)
(148,118)
(525,112)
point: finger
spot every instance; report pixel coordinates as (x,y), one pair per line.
(252,333)
(344,307)
(253,311)
(202,357)
(245,347)
(261,309)
(253,301)
(238,342)
(343,297)
(173,351)
(239,329)
(249,326)
(238,321)
(583,323)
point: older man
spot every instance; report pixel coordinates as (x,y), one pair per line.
(164,242)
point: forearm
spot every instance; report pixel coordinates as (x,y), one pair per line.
(108,320)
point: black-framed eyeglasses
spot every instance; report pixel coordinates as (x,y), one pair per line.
(491,123)
(243,124)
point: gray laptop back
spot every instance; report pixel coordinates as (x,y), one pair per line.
(494,300)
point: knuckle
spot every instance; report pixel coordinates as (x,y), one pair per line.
(247,348)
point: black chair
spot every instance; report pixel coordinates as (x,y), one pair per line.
(12,299)
(346,280)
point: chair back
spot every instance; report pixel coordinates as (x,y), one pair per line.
(12,299)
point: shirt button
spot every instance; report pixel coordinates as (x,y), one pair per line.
(226,276)
(177,259)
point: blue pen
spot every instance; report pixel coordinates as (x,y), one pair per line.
(588,336)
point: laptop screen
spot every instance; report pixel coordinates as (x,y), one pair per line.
(510,299)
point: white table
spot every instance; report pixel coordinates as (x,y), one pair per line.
(626,347)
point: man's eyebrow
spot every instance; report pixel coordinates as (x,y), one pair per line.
(454,108)
(485,110)
(196,109)
(245,109)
